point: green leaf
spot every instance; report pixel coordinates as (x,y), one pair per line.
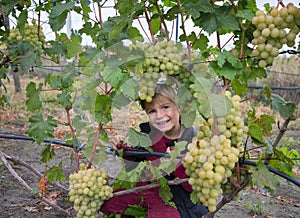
(155,25)
(39,129)
(124,7)
(55,173)
(86,9)
(118,28)
(263,177)
(136,138)
(136,211)
(255,132)
(58,22)
(120,100)
(164,190)
(73,46)
(201,43)
(130,88)
(246,14)
(220,19)
(103,109)
(47,154)
(194,8)
(265,122)
(57,18)
(134,33)
(210,103)
(113,75)
(64,99)
(285,109)
(169,166)
(33,101)
(22,19)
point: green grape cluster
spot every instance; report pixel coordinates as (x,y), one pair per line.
(209,163)
(274,29)
(161,59)
(147,85)
(30,34)
(88,189)
(212,156)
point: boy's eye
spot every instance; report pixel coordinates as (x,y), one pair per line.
(151,111)
(165,107)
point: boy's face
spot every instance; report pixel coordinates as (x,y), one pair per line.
(164,115)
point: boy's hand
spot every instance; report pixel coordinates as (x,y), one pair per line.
(118,142)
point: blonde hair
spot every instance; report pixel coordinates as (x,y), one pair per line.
(167,88)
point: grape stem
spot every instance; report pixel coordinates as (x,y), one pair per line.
(162,19)
(94,151)
(231,180)
(183,29)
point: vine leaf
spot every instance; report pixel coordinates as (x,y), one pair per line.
(263,177)
(284,108)
(103,109)
(33,101)
(226,65)
(194,8)
(256,133)
(246,14)
(73,46)
(39,129)
(47,154)
(136,211)
(210,103)
(55,173)
(265,122)
(284,160)
(220,19)
(136,138)
(57,18)
(169,166)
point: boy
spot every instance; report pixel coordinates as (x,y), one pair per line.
(164,128)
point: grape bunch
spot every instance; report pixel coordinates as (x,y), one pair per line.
(274,29)
(30,34)
(88,189)
(209,163)
(161,59)
(213,154)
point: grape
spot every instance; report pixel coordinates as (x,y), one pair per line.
(30,35)
(211,158)
(277,27)
(88,189)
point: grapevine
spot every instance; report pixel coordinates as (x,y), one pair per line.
(274,29)
(88,189)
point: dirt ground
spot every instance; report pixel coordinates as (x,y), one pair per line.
(17,202)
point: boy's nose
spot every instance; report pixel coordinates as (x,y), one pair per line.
(160,113)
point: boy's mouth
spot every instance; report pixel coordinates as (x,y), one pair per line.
(162,123)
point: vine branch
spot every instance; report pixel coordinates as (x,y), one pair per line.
(29,189)
(282,130)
